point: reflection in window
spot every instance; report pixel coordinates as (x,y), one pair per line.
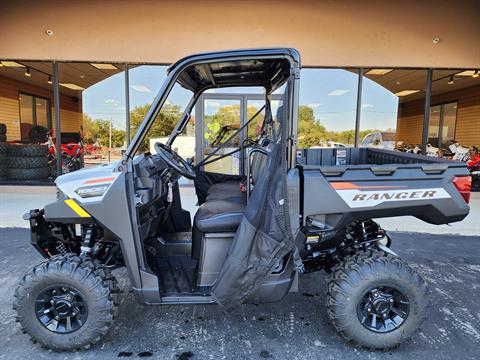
(433,125)
(443,120)
(327,107)
(34,111)
(379,108)
(221,121)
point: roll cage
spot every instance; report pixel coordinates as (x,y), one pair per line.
(268,68)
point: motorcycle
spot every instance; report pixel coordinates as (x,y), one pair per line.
(71,151)
(72,156)
(473,165)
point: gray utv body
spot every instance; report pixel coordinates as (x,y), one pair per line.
(299,207)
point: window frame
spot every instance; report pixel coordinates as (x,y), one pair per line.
(442,119)
(34,108)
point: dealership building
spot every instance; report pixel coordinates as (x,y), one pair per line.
(409,68)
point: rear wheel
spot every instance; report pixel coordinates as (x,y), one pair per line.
(376,300)
(65,303)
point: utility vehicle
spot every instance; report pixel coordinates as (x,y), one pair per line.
(288,212)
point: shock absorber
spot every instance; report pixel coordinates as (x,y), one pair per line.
(87,243)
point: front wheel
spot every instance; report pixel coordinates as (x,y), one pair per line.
(65,303)
(376,300)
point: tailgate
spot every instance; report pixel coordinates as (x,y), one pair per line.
(342,194)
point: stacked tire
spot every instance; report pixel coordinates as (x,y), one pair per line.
(28,162)
(3,133)
(3,160)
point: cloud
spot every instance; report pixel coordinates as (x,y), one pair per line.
(338,92)
(314,105)
(213,104)
(141,88)
(367,106)
(111,101)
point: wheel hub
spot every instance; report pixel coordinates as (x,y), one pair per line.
(61,309)
(381,305)
(383,309)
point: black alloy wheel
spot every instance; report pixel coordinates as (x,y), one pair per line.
(383,309)
(375,299)
(61,309)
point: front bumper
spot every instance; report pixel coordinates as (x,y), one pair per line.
(40,232)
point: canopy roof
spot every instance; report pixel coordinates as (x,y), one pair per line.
(268,68)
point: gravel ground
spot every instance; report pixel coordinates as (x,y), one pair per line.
(296,328)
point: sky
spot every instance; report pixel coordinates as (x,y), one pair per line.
(332,93)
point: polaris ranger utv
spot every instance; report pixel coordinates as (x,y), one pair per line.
(289,212)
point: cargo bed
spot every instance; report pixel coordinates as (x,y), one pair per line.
(346,184)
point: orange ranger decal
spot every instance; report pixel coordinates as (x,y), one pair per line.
(101,180)
(349,186)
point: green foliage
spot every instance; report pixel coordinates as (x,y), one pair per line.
(97,130)
(310,131)
(228,115)
(162,126)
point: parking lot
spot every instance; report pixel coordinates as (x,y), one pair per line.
(296,328)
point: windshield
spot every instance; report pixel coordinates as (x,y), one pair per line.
(172,110)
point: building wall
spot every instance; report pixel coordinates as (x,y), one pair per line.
(467,132)
(327,33)
(70,110)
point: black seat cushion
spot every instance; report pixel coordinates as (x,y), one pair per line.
(219,215)
(215,217)
(228,190)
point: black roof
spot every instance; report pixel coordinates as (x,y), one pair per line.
(249,67)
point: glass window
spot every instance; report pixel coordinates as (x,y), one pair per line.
(434,125)
(26,109)
(443,121)
(168,116)
(449,123)
(327,109)
(42,112)
(92,103)
(34,111)
(457,92)
(144,83)
(222,119)
(255,127)
(408,85)
(379,108)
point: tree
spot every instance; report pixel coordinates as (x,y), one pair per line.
(98,130)
(162,126)
(310,131)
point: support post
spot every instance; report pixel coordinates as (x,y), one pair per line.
(109,139)
(426,110)
(359,106)
(127,106)
(56,104)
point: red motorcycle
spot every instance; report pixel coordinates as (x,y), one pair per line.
(473,166)
(72,148)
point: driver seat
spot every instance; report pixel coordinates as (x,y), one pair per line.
(224,207)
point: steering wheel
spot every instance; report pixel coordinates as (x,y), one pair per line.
(182,166)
